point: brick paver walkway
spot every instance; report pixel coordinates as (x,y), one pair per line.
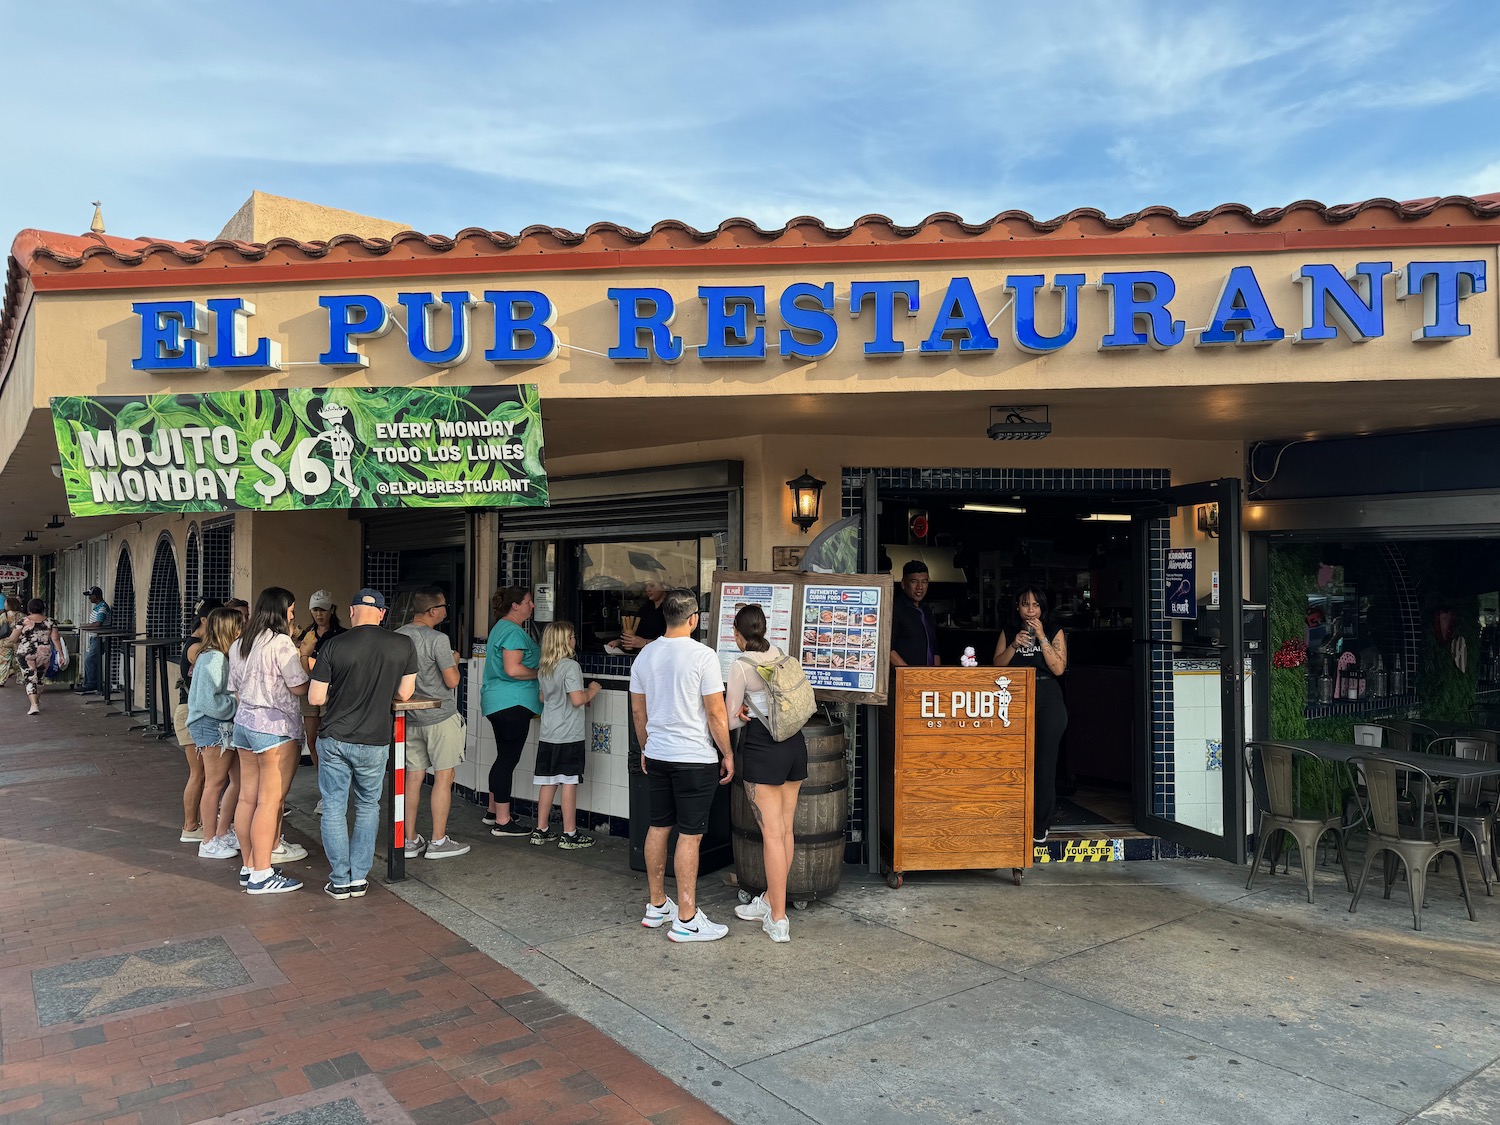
(138,984)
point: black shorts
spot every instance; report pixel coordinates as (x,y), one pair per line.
(761,761)
(681,793)
(560,759)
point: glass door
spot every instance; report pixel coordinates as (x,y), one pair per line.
(1191,672)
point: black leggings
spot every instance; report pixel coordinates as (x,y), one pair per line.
(1051,721)
(511,728)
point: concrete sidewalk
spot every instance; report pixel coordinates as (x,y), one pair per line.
(139,984)
(1133,992)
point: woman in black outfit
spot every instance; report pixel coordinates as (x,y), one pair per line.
(1034,642)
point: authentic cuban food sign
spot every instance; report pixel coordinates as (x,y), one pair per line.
(281,450)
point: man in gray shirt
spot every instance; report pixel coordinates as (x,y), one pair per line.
(434,738)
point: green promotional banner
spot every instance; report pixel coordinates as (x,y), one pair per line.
(281,450)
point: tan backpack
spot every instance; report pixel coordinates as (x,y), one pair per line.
(788,694)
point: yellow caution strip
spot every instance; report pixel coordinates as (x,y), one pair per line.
(1083,851)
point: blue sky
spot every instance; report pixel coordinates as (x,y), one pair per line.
(445,114)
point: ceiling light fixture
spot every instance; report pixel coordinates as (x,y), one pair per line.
(1000,509)
(1105,517)
(1019,423)
(29,537)
(55,523)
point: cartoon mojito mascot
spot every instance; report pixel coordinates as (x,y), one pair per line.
(341,445)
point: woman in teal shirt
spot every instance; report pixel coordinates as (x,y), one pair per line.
(510,699)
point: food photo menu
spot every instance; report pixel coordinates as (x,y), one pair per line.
(840,636)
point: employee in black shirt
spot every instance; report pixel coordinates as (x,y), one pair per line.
(913,631)
(652,623)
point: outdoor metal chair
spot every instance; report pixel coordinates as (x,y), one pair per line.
(1306,812)
(1472,811)
(1416,848)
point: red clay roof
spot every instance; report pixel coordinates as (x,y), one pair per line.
(41,252)
(40,256)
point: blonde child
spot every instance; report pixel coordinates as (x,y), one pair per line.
(560,750)
(210,722)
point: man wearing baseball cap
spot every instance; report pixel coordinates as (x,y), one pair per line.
(357,675)
(93,662)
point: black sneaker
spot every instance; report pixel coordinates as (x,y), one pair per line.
(357,890)
(510,828)
(333,891)
(543,836)
(576,841)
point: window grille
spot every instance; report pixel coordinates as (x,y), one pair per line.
(217,577)
(163,605)
(122,609)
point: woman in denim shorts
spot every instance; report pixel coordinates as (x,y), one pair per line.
(210,724)
(266,676)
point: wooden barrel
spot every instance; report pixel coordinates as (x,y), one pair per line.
(822,812)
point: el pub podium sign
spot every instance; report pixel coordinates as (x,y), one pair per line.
(957,788)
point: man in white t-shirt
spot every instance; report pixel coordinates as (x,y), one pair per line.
(677,707)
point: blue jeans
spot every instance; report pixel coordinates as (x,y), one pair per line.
(345,767)
(93,679)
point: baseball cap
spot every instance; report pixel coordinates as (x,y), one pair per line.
(368,597)
(93,592)
(322,599)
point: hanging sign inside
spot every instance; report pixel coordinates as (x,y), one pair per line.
(279,450)
(1182,583)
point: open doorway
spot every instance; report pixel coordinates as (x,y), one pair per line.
(980,548)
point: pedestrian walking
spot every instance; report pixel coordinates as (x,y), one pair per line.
(210,721)
(359,673)
(560,756)
(434,737)
(510,700)
(677,708)
(266,676)
(36,643)
(10,621)
(772,772)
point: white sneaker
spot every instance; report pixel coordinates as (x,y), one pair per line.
(696,928)
(231,839)
(218,848)
(191,835)
(414,847)
(755,910)
(779,931)
(318,808)
(658,916)
(287,852)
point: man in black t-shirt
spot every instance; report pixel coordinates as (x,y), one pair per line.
(357,675)
(913,630)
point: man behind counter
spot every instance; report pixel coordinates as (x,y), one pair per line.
(653,622)
(913,631)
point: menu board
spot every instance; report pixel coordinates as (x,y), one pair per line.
(775,598)
(837,625)
(841,629)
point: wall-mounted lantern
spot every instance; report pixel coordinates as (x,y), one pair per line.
(807,497)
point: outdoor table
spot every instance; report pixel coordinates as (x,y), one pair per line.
(159,700)
(395,864)
(1436,765)
(108,638)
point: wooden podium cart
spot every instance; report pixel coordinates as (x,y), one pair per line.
(956,790)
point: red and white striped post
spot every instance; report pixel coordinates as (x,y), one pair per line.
(396,861)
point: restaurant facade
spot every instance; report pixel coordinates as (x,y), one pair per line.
(1137,414)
